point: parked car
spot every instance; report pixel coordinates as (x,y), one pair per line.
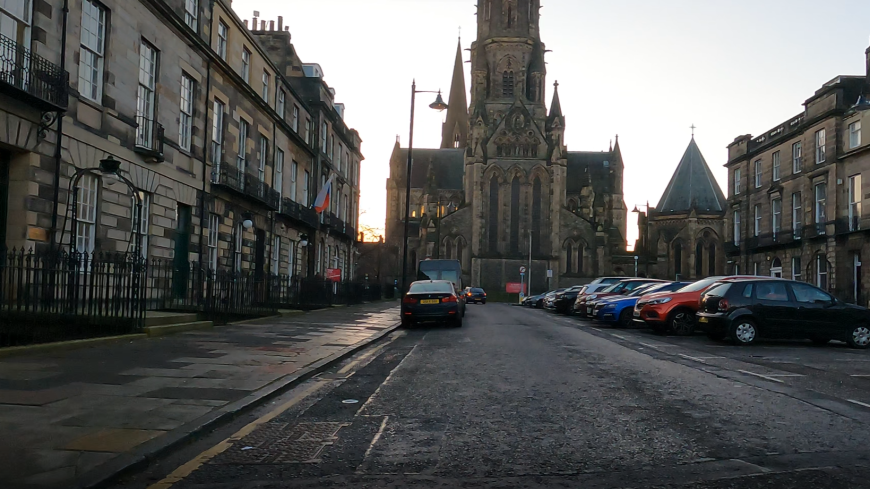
(602,283)
(550,297)
(536,301)
(583,304)
(474,295)
(564,301)
(674,312)
(618,310)
(432,300)
(747,310)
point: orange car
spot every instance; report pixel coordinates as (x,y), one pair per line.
(674,312)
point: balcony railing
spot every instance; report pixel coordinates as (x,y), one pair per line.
(852,224)
(32,77)
(228,176)
(262,192)
(296,211)
(815,230)
(149,138)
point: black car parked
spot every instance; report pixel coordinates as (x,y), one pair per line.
(564,301)
(745,311)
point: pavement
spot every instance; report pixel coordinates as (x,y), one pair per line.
(74,417)
(525,398)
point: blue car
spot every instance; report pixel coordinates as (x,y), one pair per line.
(617,311)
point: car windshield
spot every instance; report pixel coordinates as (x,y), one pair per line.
(610,288)
(701,284)
(646,289)
(430,287)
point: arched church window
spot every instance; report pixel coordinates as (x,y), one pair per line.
(448,250)
(510,16)
(459,251)
(487,9)
(536,214)
(712,261)
(580,258)
(569,255)
(492,222)
(515,215)
(507,84)
(699,259)
(678,259)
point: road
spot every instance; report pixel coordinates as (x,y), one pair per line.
(525,398)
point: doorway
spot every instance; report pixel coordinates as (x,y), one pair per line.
(182,250)
(4,197)
(776,268)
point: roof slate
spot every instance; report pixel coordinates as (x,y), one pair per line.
(693,186)
(586,168)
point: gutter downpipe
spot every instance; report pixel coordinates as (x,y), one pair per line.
(58,148)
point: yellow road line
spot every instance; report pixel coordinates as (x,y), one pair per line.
(185,470)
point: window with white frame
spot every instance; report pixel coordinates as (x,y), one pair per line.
(291,260)
(91,57)
(756,228)
(222,37)
(282,103)
(821,272)
(324,137)
(278,179)
(185,118)
(331,146)
(145,98)
(242,158)
(144,222)
(854,135)
(796,154)
(339,157)
(776,216)
(821,194)
(213,228)
(191,13)
(15,22)
(276,256)
(264,153)
(737,180)
(756,269)
(319,258)
(797,215)
(820,146)
(246,65)
(775,163)
(294,171)
(237,247)
(855,202)
(266,84)
(737,228)
(295,121)
(306,182)
(796,268)
(758,170)
(217,135)
(86,213)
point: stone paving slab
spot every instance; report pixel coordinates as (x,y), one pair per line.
(63,414)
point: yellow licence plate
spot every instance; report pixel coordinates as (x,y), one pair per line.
(702,320)
(430,301)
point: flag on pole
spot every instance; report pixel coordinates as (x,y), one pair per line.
(323,198)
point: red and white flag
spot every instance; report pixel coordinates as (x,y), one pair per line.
(321,203)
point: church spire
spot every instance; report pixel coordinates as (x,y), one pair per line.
(454,133)
(556,107)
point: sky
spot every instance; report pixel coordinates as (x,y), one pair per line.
(645,70)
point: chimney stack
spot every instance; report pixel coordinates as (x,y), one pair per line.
(256,20)
(271,25)
(246,23)
(280,23)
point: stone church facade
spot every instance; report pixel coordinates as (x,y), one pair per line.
(504,183)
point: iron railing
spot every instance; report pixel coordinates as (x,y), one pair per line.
(149,136)
(259,190)
(297,211)
(229,176)
(40,80)
(63,296)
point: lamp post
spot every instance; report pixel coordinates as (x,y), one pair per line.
(645,240)
(440,106)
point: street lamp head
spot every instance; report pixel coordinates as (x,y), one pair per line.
(439,104)
(110,165)
(248,220)
(636,210)
(303,240)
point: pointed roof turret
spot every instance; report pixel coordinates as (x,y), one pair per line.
(693,186)
(556,106)
(454,132)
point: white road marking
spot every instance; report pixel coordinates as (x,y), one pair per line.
(617,336)
(761,376)
(698,359)
(372,444)
(860,375)
(858,403)
(786,375)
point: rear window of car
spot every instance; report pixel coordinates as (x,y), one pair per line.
(430,287)
(771,291)
(477,290)
(718,290)
(699,285)
(611,280)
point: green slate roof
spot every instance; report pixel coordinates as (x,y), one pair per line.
(693,186)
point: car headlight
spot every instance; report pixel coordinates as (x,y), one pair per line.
(610,307)
(663,300)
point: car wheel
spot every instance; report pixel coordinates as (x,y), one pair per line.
(859,337)
(820,341)
(457,323)
(716,336)
(682,322)
(625,319)
(407,323)
(484,302)
(744,332)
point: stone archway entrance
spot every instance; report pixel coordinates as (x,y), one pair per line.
(776,268)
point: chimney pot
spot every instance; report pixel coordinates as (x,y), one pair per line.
(254,24)
(271,25)
(287,28)
(246,23)
(280,23)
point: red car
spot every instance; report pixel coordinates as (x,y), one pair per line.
(674,312)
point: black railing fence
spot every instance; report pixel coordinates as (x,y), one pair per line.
(57,296)
(32,74)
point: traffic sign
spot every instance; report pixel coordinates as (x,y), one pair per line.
(522,269)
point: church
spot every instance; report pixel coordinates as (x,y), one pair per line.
(503,186)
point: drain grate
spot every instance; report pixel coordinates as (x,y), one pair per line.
(282,443)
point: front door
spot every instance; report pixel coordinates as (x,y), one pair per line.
(182,251)
(4,197)
(776,310)
(815,314)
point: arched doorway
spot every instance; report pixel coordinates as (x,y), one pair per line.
(776,268)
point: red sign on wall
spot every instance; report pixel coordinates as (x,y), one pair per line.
(516,288)
(333,274)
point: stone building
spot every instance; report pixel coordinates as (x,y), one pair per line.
(504,181)
(796,193)
(209,126)
(686,228)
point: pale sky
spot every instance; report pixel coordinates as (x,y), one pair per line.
(646,70)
